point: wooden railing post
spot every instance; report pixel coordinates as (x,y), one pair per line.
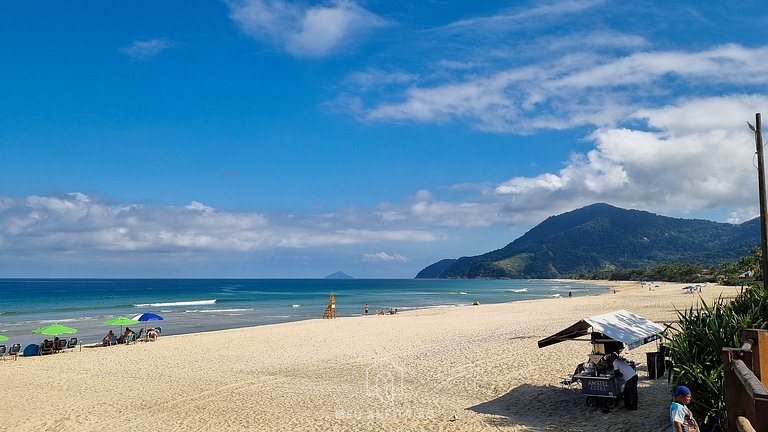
(759,352)
(745,374)
(737,401)
(761,415)
(760,369)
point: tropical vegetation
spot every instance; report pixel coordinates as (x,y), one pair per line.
(697,340)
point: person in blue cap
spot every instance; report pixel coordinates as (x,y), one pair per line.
(679,414)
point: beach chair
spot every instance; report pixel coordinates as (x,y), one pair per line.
(130,339)
(113,341)
(14,351)
(2,351)
(46,347)
(139,334)
(61,345)
(72,343)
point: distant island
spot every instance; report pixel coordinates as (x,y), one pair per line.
(602,237)
(338,275)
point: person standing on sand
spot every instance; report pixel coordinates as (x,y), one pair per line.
(630,381)
(679,414)
(365,308)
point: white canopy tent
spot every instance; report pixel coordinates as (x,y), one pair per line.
(623,326)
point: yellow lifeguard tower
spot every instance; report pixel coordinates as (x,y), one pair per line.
(330,311)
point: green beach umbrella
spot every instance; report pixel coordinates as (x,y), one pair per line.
(3,338)
(55,330)
(121,321)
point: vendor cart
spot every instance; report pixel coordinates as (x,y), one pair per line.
(609,333)
(599,383)
(604,390)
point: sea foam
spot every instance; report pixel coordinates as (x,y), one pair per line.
(181,303)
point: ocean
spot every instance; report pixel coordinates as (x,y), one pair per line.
(196,305)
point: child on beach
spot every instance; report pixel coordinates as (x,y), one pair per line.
(679,414)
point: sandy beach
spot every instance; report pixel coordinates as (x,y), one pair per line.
(468,368)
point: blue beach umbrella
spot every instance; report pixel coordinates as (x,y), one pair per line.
(147,316)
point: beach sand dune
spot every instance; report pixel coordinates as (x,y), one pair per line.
(450,369)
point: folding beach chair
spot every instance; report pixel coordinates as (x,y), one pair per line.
(14,351)
(61,345)
(72,343)
(47,347)
(2,351)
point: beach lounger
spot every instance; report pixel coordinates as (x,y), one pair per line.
(62,345)
(72,343)
(46,348)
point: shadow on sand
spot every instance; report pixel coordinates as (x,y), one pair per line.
(560,408)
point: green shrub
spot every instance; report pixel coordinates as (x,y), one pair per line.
(696,345)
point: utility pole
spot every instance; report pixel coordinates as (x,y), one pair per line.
(757,129)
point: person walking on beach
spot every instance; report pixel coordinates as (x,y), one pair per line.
(365,308)
(630,381)
(679,414)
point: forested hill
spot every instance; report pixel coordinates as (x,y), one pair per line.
(603,237)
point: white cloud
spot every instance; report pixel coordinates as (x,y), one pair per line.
(75,223)
(147,49)
(375,78)
(698,154)
(572,90)
(524,17)
(314,31)
(594,39)
(425,210)
(383,257)
(692,155)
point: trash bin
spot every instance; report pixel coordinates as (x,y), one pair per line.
(655,364)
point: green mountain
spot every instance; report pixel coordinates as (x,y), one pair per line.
(603,237)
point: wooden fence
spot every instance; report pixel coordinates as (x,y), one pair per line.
(746,376)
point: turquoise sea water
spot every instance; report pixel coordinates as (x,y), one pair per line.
(194,305)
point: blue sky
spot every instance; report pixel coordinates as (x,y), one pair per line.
(255,138)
